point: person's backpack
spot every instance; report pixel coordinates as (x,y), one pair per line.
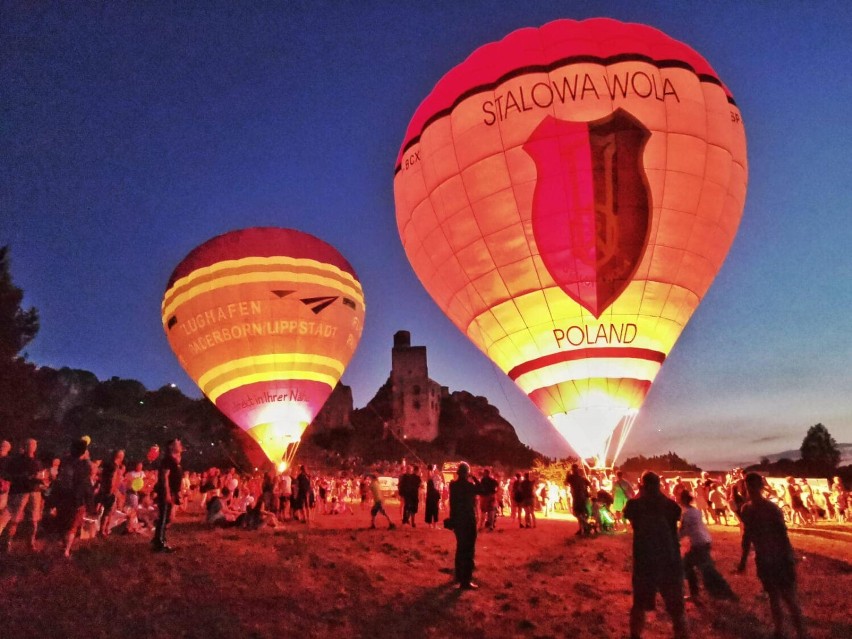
(63,486)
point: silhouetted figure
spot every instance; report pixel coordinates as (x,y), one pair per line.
(526,490)
(168,493)
(488,500)
(409,492)
(433,496)
(112,475)
(656,556)
(73,493)
(579,486)
(26,482)
(463,492)
(764,528)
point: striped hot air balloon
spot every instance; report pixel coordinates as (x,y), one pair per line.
(265,321)
(567,195)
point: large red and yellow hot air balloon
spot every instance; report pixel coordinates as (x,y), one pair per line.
(567,195)
(265,320)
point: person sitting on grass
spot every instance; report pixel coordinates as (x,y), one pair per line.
(256,517)
(219,512)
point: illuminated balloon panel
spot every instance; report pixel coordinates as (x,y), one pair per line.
(567,195)
(265,321)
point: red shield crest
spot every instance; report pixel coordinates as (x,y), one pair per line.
(591,205)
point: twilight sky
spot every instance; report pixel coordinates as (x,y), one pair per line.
(131,134)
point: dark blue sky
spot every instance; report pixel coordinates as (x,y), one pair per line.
(131,134)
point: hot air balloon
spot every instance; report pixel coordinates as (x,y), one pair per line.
(265,321)
(566,195)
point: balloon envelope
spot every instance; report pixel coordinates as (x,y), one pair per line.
(567,195)
(265,321)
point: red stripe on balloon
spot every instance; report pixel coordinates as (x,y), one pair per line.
(554,42)
(586,353)
(260,242)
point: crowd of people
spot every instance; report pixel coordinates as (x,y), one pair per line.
(76,495)
(79,495)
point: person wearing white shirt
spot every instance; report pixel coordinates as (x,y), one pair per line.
(697,558)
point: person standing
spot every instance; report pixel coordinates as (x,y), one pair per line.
(702,497)
(657,563)
(579,486)
(378,508)
(527,501)
(408,487)
(488,500)
(27,477)
(463,492)
(697,558)
(433,496)
(622,492)
(112,474)
(168,493)
(285,490)
(305,494)
(515,496)
(5,447)
(764,528)
(73,492)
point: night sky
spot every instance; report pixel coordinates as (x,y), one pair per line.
(131,134)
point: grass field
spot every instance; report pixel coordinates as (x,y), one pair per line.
(337,578)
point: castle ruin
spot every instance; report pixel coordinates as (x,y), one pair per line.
(415,399)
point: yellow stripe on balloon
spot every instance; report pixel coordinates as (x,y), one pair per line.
(249,262)
(240,280)
(270,358)
(272,376)
(298,272)
(285,371)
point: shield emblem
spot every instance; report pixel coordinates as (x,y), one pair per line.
(592,204)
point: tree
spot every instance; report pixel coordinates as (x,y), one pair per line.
(18,327)
(18,386)
(819,450)
(668,462)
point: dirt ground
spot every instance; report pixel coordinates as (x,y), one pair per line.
(336,578)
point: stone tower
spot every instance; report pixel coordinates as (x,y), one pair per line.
(416,399)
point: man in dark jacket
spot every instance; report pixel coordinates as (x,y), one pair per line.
(488,500)
(409,492)
(73,492)
(463,492)
(579,485)
(657,565)
(168,493)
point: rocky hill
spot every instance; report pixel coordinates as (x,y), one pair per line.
(470,428)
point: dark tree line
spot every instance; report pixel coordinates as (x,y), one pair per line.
(54,406)
(820,457)
(658,463)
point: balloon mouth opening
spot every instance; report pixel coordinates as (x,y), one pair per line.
(279,440)
(596,432)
